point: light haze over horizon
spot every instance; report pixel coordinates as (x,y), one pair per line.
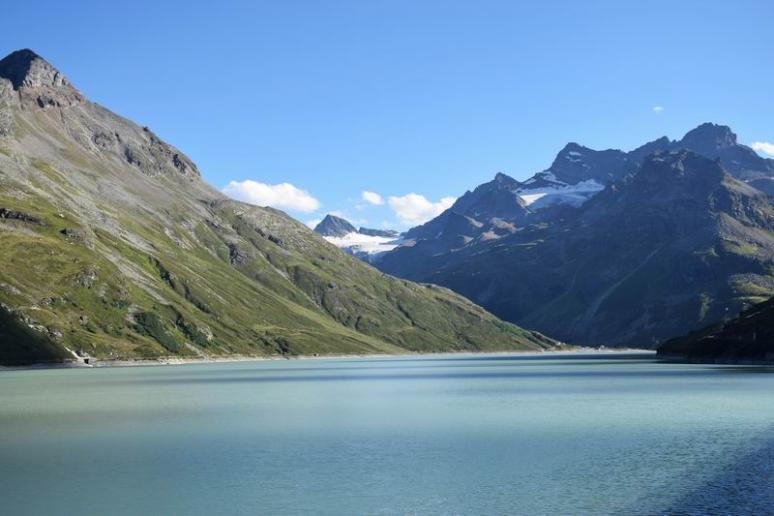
(401,98)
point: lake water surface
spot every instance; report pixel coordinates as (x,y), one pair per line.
(423,435)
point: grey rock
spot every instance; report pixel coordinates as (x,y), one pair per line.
(333,226)
(387,233)
(37,82)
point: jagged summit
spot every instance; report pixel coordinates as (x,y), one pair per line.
(333,226)
(37,81)
(504,178)
(16,66)
(708,138)
(30,84)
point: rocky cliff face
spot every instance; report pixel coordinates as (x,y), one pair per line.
(113,247)
(36,82)
(333,226)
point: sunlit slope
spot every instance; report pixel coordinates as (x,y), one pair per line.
(113,246)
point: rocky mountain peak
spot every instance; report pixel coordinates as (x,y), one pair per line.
(37,81)
(24,68)
(682,164)
(573,147)
(333,226)
(501,178)
(709,138)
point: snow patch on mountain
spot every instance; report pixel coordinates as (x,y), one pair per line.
(366,247)
(557,192)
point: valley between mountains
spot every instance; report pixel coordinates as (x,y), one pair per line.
(608,247)
(113,247)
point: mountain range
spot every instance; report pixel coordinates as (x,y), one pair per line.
(504,205)
(610,247)
(114,247)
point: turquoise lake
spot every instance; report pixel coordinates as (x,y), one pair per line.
(549,434)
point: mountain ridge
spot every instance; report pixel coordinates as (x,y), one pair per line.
(576,174)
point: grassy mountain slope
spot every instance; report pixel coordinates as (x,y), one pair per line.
(113,246)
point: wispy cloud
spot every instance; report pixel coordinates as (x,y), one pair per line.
(414,209)
(764,147)
(283,196)
(372,198)
(311,224)
(658,109)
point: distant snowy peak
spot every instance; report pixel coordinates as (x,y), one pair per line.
(366,243)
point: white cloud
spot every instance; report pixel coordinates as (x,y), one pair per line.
(283,196)
(311,224)
(764,147)
(658,109)
(415,209)
(372,198)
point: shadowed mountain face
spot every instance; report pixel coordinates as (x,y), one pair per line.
(750,336)
(492,209)
(113,246)
(670,248)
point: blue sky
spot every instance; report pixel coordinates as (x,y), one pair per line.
(398,98)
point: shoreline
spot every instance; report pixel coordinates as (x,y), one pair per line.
(177,361)
(686,359)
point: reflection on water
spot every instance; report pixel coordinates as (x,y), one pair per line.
(599,434)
